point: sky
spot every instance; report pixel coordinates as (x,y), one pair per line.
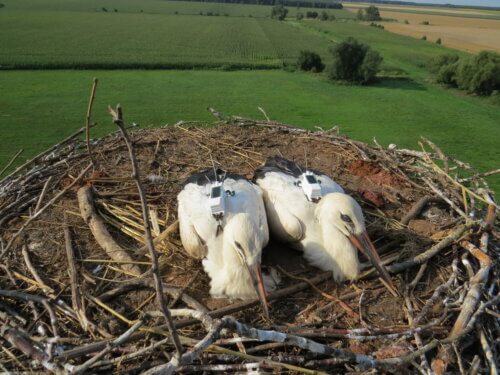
(490,3)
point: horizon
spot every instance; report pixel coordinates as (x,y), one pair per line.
(471,3)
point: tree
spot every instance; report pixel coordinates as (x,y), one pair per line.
(372,14)
(354,62)
(323,16)
(279,12)
(299,16)
(359,15)
(438,41)
(310,61)
(311,14)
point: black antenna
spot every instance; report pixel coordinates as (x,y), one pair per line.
(213,167)
(305,157)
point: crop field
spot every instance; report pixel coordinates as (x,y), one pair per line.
(468,34)
(96,40)
(444,11)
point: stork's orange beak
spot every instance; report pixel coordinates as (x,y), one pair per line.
(365,245)
(258,284)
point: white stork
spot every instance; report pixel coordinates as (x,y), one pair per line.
(222,220)
(312,212)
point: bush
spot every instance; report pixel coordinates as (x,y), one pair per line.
(2,5)
(332,17)
(445,68)
(310,61)
(311,14)
(438,41)
(323,16)
(406,22)
(299,16)
(116,10)
(425,23)
(354,62)
(424,37)
(478,75)
(279,12)
(104,9)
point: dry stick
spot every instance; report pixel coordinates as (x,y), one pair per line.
(418,207)
(113,344)
(11,161)
(471,300)
(42,154)
(231,309)
(487,350)
(23,343)
(478,175)
(426,255)
(87,121)
(49,203)
(84,350)
(448,200)
(118,120)
(342,304)
(42,194)
(33,270)
(100,232)
(76,298)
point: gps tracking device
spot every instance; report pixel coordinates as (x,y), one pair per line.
(217,205)
(311,186)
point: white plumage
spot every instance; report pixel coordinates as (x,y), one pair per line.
(329,232)
(231,257)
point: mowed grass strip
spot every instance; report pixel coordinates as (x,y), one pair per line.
(38,40)
(38,109)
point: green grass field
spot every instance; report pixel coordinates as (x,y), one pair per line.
(38,108)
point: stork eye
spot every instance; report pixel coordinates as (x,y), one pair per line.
(346,218)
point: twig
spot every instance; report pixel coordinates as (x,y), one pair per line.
(76,298)
(29,265)
(487,350)
(49,203)
(113,344)
(42,154)
(100,232)
(118,120)
(418,207)
(11,161)
(426,255)
(87,121)
(342,304)
(42,194)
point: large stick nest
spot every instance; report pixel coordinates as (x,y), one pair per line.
(434,229)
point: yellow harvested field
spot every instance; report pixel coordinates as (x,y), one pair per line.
(437,10)
(463,33)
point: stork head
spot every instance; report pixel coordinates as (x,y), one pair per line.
(343,213)
(246,243)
